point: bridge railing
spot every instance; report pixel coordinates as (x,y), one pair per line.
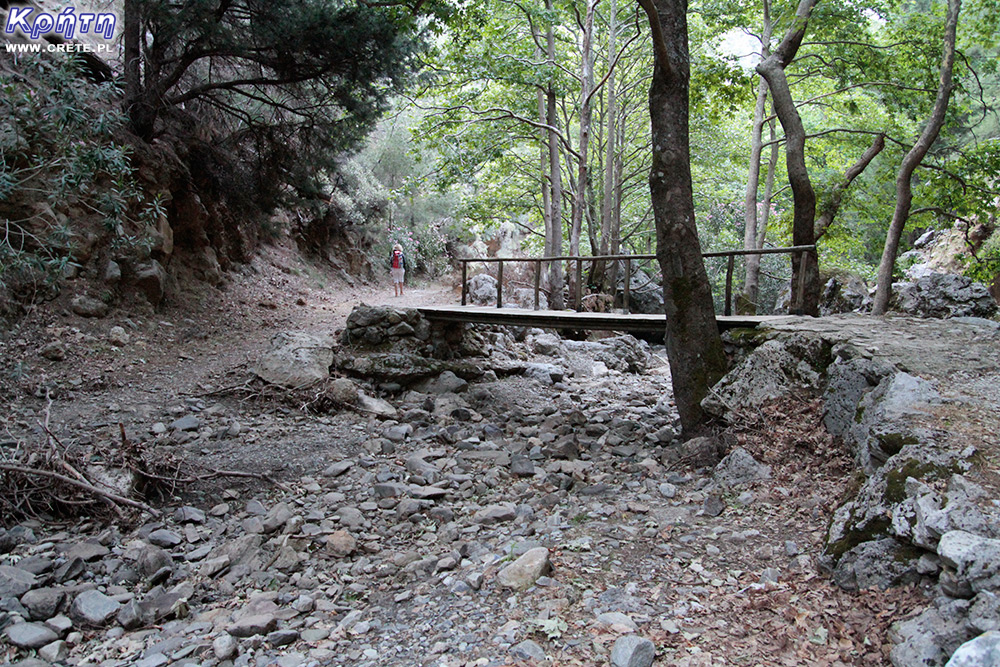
(578,261)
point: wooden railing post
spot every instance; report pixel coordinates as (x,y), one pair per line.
(728,308)
(538,281)
(799,300)
(628,283)
(578,297)
(500,284)
(465,283)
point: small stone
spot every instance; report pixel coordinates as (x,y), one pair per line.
(791,549)
(770,575)
(337,469)
(495,514)
(528,650)
(130,615)
(57,651)
(632,651)
(118,337)
(43,603)
(225,647)
(523,572)
(88,551)
(54,351)
(86,306)
(713,505)
(521,466)
(30,635)
(93,608)
(282,637)
(341,543)
(617,621)
(257,624)
(164,538)
(188,514)
(276,519)
(15,582)
(185,423)
(668,490)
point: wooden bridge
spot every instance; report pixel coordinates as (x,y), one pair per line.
(579,319)
(568,319)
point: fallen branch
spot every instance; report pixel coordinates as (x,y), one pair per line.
(107,495)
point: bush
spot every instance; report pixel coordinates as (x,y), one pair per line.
(60,167)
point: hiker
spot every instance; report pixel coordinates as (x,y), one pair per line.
(397,264)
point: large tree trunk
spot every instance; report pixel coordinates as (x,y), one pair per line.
(141,114)
(746,304)
(553,235)
(608,192)
(694,347)
(805,267)
(904,186)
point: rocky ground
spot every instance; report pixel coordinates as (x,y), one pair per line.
(513,520)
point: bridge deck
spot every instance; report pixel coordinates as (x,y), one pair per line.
(568,319)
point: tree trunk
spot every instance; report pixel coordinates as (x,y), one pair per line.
(904,185)
(694,347)
(805,268)
(607,200)
(553,235)
(141,114)
(586,87)
(544,165)
(746,304)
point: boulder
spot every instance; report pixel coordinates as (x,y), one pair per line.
(697,452)
(544,373)
(983,651)
(624,353)
(482,289)
(943,295)
(151,280)
(880,563)
(843,293)
(777,368)
(296,360)
(893,503)
(932,637)
(975,559)
(739,467)
(848,381)
(887,418)
(93,608)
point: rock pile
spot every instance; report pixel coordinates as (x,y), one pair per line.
(916,514)
(391,556)
(943,295)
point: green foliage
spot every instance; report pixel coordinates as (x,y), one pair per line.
(59,159)
(394,190)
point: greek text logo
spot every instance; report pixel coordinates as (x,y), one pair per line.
(66,23)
